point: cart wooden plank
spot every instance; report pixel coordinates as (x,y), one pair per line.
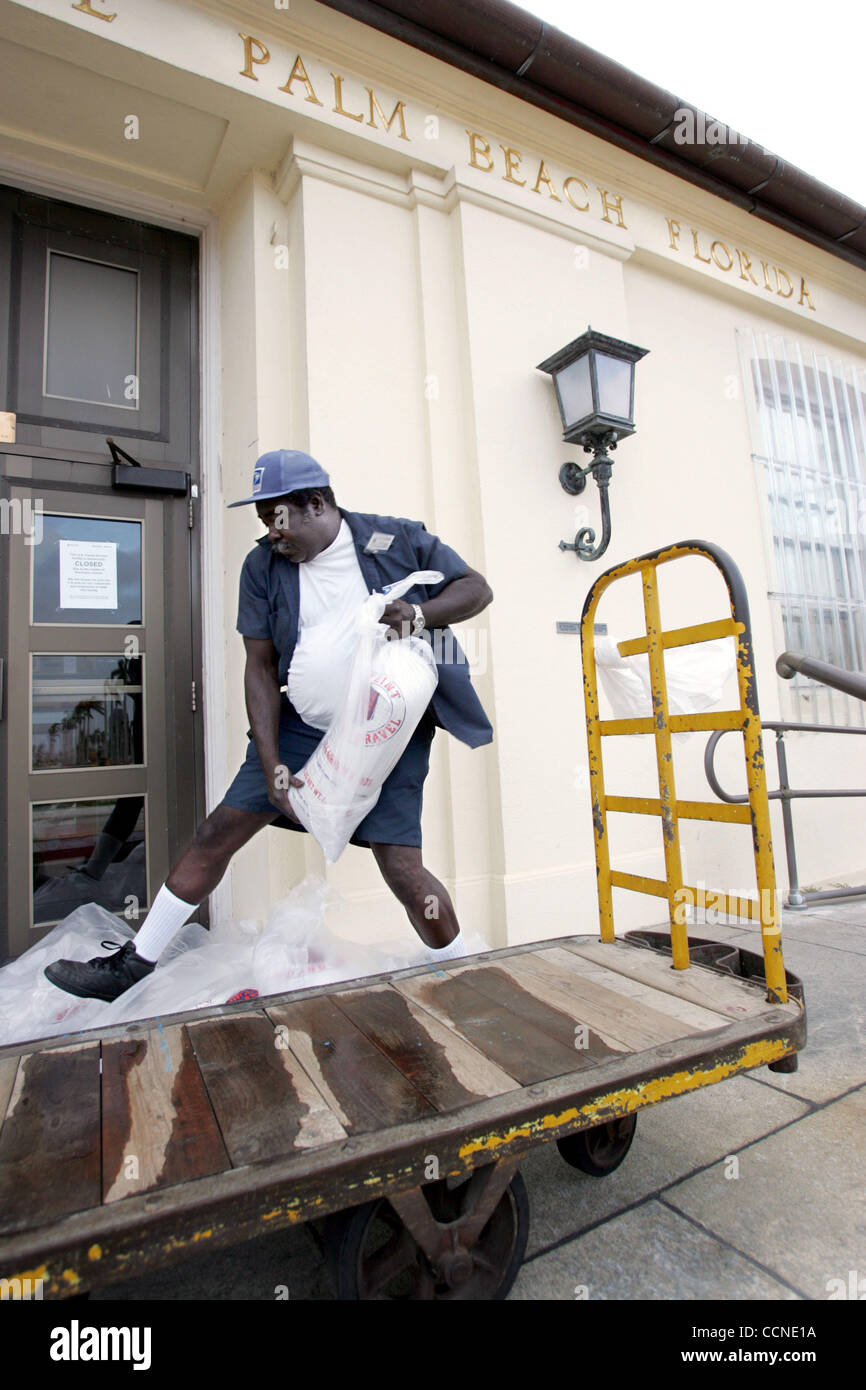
(732,998)
(632,1024)
(520,1044)
(158,1126)
(547,1008)
(8,1069)
(694,1015)
(443,1066)
(616,1024)
(49,1143)
(252,1083)
(363,1087)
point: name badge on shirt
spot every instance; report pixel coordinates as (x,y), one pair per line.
(380,540)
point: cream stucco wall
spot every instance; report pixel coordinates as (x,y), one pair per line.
(383,303)
(420,333)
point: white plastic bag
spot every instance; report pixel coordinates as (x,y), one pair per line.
(695,677)
(32,1007)
(622,680)
(390,686)
(200,968)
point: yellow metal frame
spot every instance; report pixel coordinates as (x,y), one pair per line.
(661,724)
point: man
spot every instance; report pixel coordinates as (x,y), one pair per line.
(300,590)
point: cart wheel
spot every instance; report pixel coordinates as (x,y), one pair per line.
(598,1151)
(372,1254)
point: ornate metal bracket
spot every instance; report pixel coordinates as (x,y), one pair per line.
(573,479)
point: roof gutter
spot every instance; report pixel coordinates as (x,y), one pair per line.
(502,44)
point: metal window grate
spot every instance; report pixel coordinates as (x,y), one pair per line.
(808,421)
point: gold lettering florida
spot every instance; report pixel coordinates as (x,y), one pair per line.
(776,280)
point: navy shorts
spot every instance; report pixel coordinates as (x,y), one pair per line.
(396,817)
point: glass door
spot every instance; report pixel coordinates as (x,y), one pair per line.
(101,748)
(86,783)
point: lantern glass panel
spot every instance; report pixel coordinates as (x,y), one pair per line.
(575,391)
(614,385)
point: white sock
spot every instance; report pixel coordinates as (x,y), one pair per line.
(453,951)
(164,920)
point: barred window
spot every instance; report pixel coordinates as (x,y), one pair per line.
(808,422)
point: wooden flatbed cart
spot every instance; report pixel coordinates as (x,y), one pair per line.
(395,1110)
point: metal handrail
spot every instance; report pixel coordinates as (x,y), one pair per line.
(851,683)
(791,664)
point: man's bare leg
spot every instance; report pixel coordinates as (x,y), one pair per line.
(197,873)
(217,839)
(426,900)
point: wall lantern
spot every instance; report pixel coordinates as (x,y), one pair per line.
(594,380)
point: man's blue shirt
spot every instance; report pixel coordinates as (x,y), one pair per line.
(269,604)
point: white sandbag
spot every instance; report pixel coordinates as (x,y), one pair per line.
(390,686)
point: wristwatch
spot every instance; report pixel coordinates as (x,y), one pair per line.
(418,620)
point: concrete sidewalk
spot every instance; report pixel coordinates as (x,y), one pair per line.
(674,1222)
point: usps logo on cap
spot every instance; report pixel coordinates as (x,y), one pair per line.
(258,475)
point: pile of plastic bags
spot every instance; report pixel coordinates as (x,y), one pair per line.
(294,950)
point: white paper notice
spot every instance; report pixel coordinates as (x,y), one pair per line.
(88,574)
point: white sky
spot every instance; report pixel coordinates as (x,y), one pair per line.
(789,74)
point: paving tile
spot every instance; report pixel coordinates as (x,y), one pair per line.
(838,933)
(819,928)
(799,1203)
(851,910)
(648,1253)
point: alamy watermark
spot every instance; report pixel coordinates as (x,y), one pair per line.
(842,510)
(18,1289)
(710,906)
(697,128)
(22,517)
(850,1287)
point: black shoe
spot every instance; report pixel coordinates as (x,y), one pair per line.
(104,977)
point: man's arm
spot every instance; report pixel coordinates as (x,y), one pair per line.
(262,693)
(462,598)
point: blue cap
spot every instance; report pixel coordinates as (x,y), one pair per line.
(283,471)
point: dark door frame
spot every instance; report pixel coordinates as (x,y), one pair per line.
(53,465)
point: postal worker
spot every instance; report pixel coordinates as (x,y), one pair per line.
(300,589)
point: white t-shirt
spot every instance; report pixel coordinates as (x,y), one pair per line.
(332,589)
